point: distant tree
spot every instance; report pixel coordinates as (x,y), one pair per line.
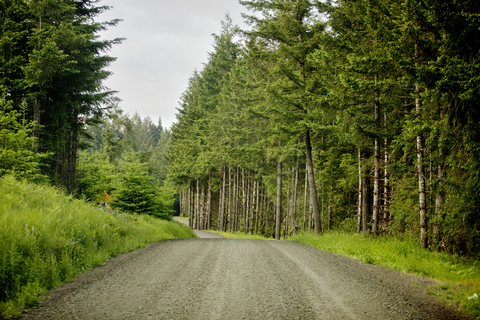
(135,191)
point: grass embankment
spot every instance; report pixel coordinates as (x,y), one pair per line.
(48,238)
(457,280)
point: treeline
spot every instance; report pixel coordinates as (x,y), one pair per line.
(52,64)
(125,166)
(354,115)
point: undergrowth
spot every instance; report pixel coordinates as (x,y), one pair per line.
(48,238)
(458,279)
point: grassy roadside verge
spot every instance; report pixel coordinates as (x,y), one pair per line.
(240,235)
(47,238)
(457,280)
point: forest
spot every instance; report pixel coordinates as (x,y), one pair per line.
(351,115)
(60,125)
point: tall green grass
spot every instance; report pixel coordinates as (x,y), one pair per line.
(458,279)
(240,235)
(48,238)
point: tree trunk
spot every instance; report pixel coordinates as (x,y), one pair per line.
(365,202)
(221,202)
(376,170)
(421,171)
(310,217)
(257,208)
(197,207)
(421,192)
(237,202)
(386,191)
(294,209)
(209,201)
(244,201)
(190,206)
(228,223)
(311,180)
(278,211)
(265,211)
(252,211)
(359,209)
(247,205)
(305,200)
(330,209)
(201,224)
(287,211)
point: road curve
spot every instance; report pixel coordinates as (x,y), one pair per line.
(200,234)
(239,279)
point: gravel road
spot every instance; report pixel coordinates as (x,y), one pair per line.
(240,279)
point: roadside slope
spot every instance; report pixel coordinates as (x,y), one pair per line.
(48,238)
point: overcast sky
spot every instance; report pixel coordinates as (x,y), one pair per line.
(166,42)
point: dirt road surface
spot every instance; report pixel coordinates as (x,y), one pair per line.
(240,279)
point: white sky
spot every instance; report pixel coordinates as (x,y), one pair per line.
(166,42)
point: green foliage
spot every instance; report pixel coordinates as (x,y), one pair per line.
(136,193)
(47,238)
(96,176)
(119,165)
(369,77)
(53,65)
(16,153)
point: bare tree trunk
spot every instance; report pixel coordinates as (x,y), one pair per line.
(365,202)
(287,210)
(278,212)
(421,171)
(201,225)
(190,206)
(235,201)
(197,206)
(221,208)
(265,211)
(311,180)
(229,222)
(244,201)
(257,208)
(305,200)
(209,201)
(294,209)
(247,204)
(386,191)
(422,193)
(310,217)
(359,209)
(330,209)
(252,211)
(261,212)
(376,170)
